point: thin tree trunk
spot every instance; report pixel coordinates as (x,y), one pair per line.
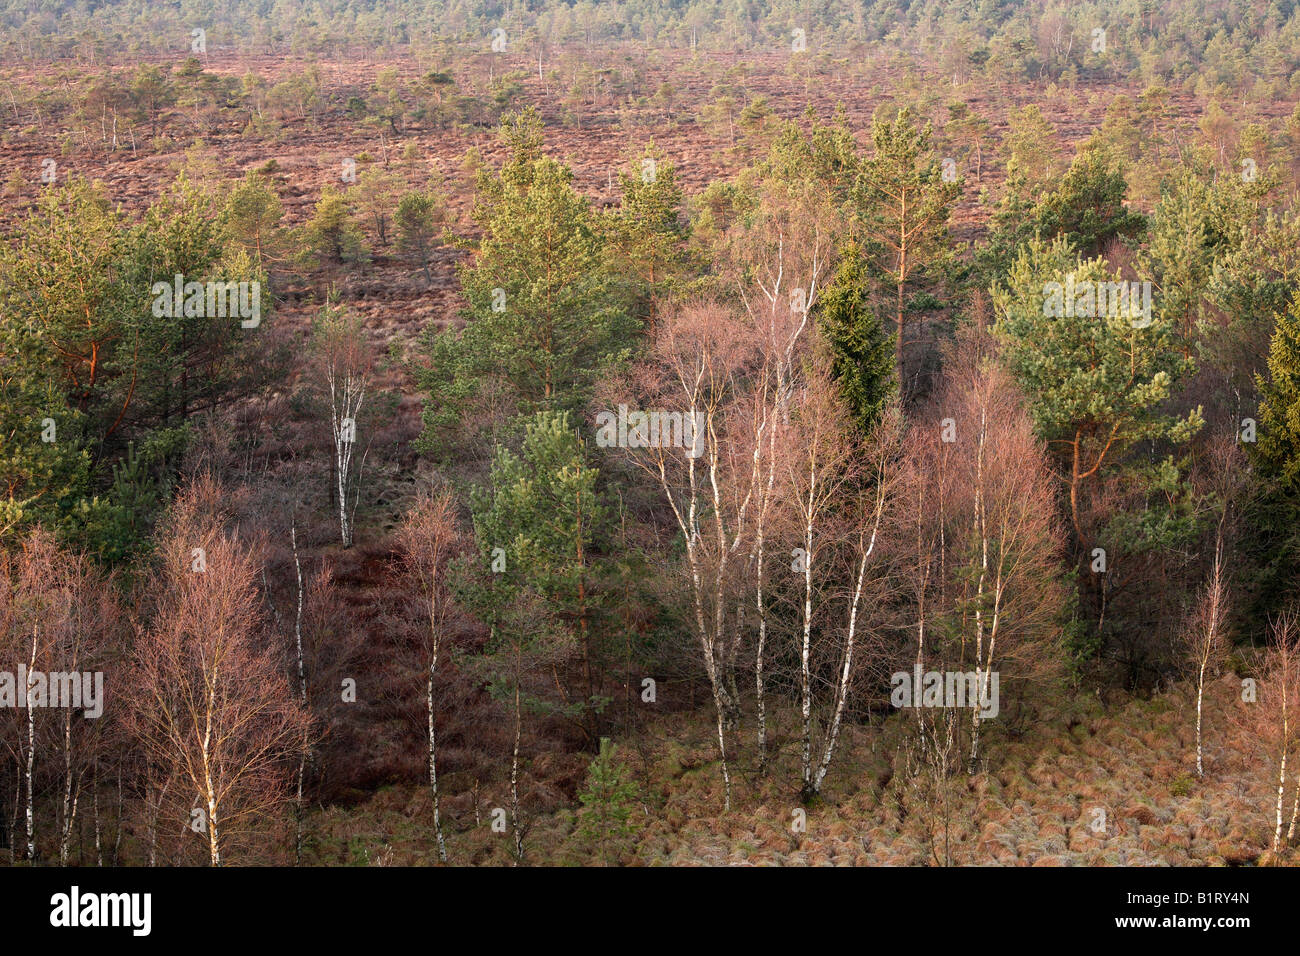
(94,785)
(31,753)
(1200,694)
(18,803)
(842,691)
(1281,790)
(302,691)
(69,804)
(1281,775)
(981,529)
(722,750)
(209,790)
(117,837)
(805,671)
(759,683)
(433,765)
(1295,811)
(514,774)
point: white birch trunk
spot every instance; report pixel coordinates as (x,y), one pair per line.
(514,778)
(69,809)
(346,399)
(1281,775)
(842,691)
(1200,695)
(302,692)
(1281,790)
(805,670)
(209,791)
(31,753)
(1295,812)
(433,765)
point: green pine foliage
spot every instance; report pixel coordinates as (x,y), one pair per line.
(332,234)
(1275,511)
(605,822)
(547,314)
(1277,451)
(861,347)
(1086,208)
(1096,383)
(539,523)
(99,385)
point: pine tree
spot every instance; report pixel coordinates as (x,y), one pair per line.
(1277,452)
(1096,381)
(542,509)
(375,197)
(90,365)
(419,215)
(535,526)
(647,232)
(907,203)
(556,319)
(1275,508)
(252,217)
(1086,207)
(1031,149)
(332,232)
(546,315)
(605,821)
(862,351)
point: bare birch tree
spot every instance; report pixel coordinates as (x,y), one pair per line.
(875,487)
(1204,637)
(837,539)
(344,360)
(1009,592)
(212,707)
(1273,722)
(428,539)
(981,548)
(702,361)
(777,259)
(63,618)
(1203,634)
